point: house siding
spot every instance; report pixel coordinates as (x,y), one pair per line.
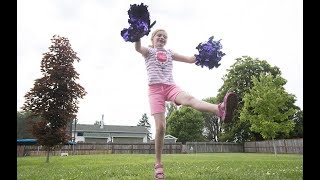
(127,140)
(96,140)
(110,133)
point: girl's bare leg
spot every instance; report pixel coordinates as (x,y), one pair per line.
(185,99)
(160,123)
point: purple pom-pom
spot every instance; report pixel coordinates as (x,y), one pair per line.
(209,53)
(139,20)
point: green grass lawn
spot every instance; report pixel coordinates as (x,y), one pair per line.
(236,166)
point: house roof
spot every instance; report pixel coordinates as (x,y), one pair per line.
(169,137)
(110,128)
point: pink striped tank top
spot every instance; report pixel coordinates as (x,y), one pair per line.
(159,66)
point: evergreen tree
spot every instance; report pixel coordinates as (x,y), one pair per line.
(144,121)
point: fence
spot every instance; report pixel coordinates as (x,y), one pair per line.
(206,147)
(282,146)
(285,146)
(94,148)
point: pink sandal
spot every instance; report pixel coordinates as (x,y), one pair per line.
(158,171)
(229,105)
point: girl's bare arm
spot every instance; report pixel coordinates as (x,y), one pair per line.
(141,49)
(182,58)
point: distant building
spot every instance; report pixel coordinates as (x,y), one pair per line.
(109,133)
(168,139)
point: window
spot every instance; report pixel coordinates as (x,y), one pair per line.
(80,134)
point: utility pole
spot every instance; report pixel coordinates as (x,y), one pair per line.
(75,129)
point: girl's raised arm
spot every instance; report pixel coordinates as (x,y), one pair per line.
(140,49)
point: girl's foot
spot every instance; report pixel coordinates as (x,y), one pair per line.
(158,171)
(226,108)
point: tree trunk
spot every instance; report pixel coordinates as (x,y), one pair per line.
(48,153)
(274,147)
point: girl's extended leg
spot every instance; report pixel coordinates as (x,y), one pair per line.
(224,110)
(185,99)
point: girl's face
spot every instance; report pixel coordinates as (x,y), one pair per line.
(160,39)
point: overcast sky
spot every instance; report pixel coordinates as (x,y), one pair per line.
(114,74)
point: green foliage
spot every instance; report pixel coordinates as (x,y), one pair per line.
(54,97)
(176,166)
(144,121)
(211,123)
(238,80)
(298,126)
(265,106)
(170,108)
(186,124)
(24,125)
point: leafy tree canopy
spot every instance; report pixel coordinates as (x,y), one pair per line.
(265,106)
(239,80)
(24,125)
(54,97)
(212,128)
(186,124)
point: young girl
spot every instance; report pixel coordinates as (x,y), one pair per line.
(162,87)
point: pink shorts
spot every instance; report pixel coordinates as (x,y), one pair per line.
(159,94)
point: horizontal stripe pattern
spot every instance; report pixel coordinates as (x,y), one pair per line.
(159,72)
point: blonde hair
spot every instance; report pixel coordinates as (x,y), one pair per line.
(153,34)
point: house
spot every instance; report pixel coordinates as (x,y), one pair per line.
(100,133)
(168,139)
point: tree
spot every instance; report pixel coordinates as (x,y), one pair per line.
(186,124)
(265,107)
(211,123)
(24,125)
(144,121)
(298,125)
(170,108)
(54,97)
(297,118)
(238,80)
